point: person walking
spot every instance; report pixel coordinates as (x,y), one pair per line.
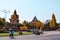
(11,33)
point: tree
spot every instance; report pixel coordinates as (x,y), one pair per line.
(46,27)
(1,24)
(2,21)
(53,22)
(38,24)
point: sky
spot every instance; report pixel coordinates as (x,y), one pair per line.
(27,9)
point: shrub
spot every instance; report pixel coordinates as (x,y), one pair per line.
(3,31)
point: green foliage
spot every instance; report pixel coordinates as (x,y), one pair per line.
(31,26)
(53,21)
(1,24)
(46,27)
(53,24)
(3,31)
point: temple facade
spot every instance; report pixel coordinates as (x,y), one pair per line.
(37,23)
(34,21)
(14,20)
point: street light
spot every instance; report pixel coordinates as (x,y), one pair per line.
(4,11)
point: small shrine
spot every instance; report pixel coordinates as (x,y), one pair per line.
(24,27)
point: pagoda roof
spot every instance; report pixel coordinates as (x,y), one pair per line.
(34,19)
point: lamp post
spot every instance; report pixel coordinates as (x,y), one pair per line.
(4,11)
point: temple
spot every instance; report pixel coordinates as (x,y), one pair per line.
(37,23)
(34,21)
(14,20)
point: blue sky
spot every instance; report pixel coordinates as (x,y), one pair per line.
(27,9)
